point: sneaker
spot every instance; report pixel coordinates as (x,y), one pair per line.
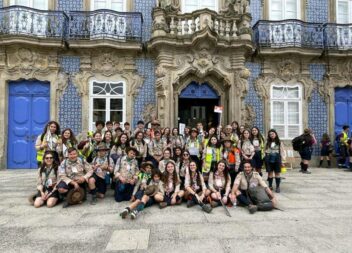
(124,213)
(214,204)
(252,209)
(162,205)
(93,200)
(65,205)
(307,172)
(134,214)
(278,190)
(207,208)
(190,203)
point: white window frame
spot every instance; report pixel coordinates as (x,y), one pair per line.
(349,2)
(31,4)
(283,4)
(199,5)
(107,102)
(286,101)
(92,3)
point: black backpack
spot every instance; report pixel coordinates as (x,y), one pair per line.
(298,143)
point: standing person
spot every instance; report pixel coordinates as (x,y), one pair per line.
(108,140)
(118,133)
(99,126)
(274,155)
(194,147)
(46,182)
(109,126)
(155,149)
(166,137)
(171,182)
(140,127)
(126,175)
(68,141)
(343,145)
(119,148)
(186,134)
(166,158)
(230,134)
(176,139)
(155,127)
(219,185)
(101,165)
(49,140)
(127,129)
(73,175)
(201,132)
(236,128)
(325,150)
(211,133)
(211,156)
(139,144)
(147,136)
(184,165)
(307,149)
(246,147)
(195,189)
(90,147)
(258,143)
(232,156)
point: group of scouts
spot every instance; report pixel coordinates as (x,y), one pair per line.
(155,165)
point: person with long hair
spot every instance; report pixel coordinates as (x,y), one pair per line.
(274,155)
(194,147)
(211,156)
(176,139)
(177,157)
(139,144)
(46,182)
(236,128)
(184,165)
(119,148)
(307,149)
(195,188)
(108,139)
(246,147)
(166,158)
(166,137)
(49,140)
(258,143)
(211,133)
(326,149)
(89,149)
(147,136)
(68,141)
(232,155)
(173,195)
(219,184)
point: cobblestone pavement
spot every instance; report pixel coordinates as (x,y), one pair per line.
(317,218)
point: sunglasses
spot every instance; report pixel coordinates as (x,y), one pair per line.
(49,158)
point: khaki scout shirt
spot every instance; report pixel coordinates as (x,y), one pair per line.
(254,181)
(103,162)
(51,179)
(156,148)
(141,148)
(195,186)
(126,169)
(160,185)
(217,183)
(69,170)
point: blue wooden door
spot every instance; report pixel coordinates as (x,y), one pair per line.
(343,108)
(29,111)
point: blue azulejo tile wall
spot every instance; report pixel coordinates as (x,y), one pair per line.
(146,8)
(317,11)
(70,110)
(70,5)
(252,98)
(1,3)
(256,10)
(146,95)
(317,108)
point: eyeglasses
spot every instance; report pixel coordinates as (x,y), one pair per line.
(49,158)
(185,154)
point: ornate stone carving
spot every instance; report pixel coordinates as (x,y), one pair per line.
(287,69)
(62,83)
(234,7)
(149,113)
(135,82)
(81,81)
(108,63)
(241,83)
(248,116)
(170,6)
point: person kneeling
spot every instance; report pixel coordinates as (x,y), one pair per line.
(195,189)
(250,190)
(145,197)
(219,185)
(126,174)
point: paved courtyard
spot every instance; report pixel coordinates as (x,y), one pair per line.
(317,218)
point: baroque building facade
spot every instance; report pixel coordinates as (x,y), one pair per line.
(282,64)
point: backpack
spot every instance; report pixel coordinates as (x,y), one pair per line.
(260,198)
(298,143)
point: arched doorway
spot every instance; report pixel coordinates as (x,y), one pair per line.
(196,104)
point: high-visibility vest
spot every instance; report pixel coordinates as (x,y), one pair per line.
(209,158)
(40,154)
(344,138)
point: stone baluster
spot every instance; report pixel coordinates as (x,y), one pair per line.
(179,26)
(172,26)
(186,26)
(193,25)
(216,25)
(227,29)
(234,29)
(222,28)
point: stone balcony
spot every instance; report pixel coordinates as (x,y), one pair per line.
(20,24)
(338,36)
(105,28)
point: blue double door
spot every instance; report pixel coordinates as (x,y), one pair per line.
(28,113)
(343,108)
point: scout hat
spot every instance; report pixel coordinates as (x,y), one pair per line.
(102,147)
(151,190)
(156,122)
(75,196)
(194,130)
(227,138)
(132,148)
(149,163)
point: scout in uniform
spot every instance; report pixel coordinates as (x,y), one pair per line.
(156,148)
(126,175)
(74,172)
(194,146)
(232,156)
(101,165)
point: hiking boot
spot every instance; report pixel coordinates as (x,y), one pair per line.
(214,204)
(31,198)
(252,209)
(307,172)
(134,214)
(124,213)
(278,190)
(93,200)
(207,208)
(190,203)
(162,205)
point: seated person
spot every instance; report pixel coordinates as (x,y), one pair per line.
(240,188)
(73,174)
(126,175)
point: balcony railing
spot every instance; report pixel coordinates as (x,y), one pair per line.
(338,36)
(288,33)
(105,24)
(24,21)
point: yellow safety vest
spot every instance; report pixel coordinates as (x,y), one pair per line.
(344,138)
(209,158)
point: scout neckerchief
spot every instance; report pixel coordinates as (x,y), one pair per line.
(218,179)
(47,174)
(170,184)
(194,177)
